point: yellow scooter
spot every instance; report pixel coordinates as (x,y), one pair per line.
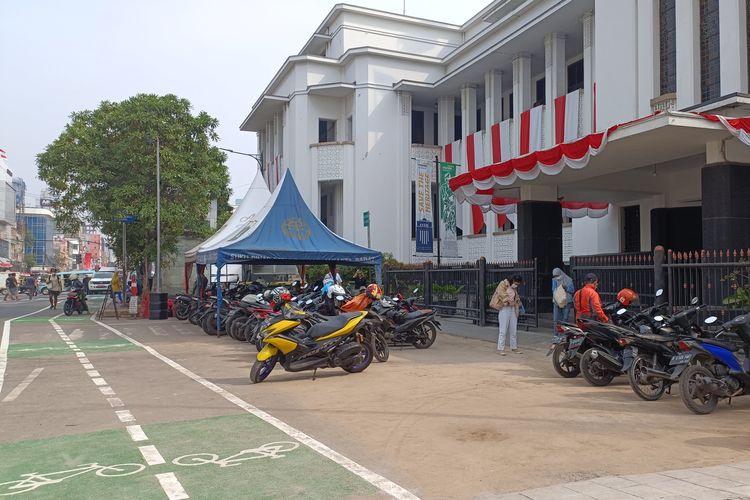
(336,342)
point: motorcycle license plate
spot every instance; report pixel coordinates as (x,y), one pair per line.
(575,343)
(680,359)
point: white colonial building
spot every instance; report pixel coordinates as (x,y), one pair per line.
(372,91)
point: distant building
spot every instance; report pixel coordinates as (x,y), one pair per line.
(39,224)
(20,187)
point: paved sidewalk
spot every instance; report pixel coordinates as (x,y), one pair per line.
(533,338)
(721,482)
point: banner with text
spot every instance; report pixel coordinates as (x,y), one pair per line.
(424,207)
(448,240)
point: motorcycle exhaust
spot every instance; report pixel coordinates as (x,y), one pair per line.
(310,364)
(606,359)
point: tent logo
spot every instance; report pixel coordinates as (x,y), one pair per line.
(296,228)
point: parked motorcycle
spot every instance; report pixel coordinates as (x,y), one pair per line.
(418,328)
(566,349)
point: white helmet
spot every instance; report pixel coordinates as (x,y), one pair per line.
(335,291)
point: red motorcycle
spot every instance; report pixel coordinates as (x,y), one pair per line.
(76,302)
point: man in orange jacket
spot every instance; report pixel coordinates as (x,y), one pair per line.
(588,304)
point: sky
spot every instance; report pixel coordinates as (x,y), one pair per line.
(57,57)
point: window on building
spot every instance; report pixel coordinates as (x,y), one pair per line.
(667,48)
(507,226)
(540,93)
(480,122)
(709,50)
(510,105)
(575,75)
(435,215)
(324,211)
(631,228)
(417,127)
(456,127)
(326,130)
(349,132)
(435,128)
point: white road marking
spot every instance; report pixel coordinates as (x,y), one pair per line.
(5,342)
(107,391)
(371,477)
(171,486)
(84,360)
(125,416)
(81,354)
(136,433)
(151,455)
(23,385)
(115,402)
(99,381)
(92,373)
(88,366)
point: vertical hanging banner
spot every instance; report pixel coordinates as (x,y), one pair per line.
(448,240)
(424,207)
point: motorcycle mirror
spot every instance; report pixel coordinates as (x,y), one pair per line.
(659,292)
(710,320)
(694,301)
(339,297)
(306,285)
(622,311)
(294,299)
(309,301)
(659,318)
(415,291)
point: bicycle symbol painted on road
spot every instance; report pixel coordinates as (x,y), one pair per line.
(34,480)
(269,450)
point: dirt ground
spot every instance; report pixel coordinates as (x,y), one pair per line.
(459,421)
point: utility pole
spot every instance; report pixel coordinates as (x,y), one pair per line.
(158,218)
(124,252)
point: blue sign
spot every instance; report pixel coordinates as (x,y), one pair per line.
(424,236)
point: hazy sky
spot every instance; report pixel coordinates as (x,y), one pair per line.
(62,56)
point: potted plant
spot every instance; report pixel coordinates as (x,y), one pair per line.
(446,295)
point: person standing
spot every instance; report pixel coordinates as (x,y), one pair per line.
(359,280)
(562,297)
(201,283)
(116,287)
(588,304)
(336,280)
(31,287)
(507,301)
(11,284)
(55,287)
(133,304)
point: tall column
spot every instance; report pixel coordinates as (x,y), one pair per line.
(493,98)
(521,92)
(733,46)
(402,182)
(687,18)
(446,120)
(468,110)
(277,131)
(555,80)
(588,73)
(648,55)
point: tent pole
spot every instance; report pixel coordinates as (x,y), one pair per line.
(218,300)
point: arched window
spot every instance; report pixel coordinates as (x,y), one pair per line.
(709,46)
(667,48)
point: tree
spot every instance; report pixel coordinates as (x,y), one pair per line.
(103,167)
(29,261)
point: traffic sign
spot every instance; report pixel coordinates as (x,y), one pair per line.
(366,218)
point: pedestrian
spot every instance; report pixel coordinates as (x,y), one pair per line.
(336,281)
(55,287)
(85,283)
(116,287)
(31,287)
(11,284)
(133,305)
(201,283)
(359,280)
(507,301)
(588,304)
(562,297)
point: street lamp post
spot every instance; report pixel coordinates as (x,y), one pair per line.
(158,218)
(258,157)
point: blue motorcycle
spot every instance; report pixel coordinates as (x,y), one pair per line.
(714,371)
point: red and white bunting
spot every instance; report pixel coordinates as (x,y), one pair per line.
(577,209)
(3,155)
(738,127)
(530,138)
(567,110)
(475,159)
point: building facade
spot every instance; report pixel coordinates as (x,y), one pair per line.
(372,92)
(39,226)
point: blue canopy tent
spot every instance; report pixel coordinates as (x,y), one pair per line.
(287,232)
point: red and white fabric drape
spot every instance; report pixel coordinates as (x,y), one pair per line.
(738,127)
(576,209)
(475,159)
(530,134)
(567,114)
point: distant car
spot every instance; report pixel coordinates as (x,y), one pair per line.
(100,281)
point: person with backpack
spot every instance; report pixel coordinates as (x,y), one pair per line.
(562,297)
(588,304)
(507,301)
(11,284)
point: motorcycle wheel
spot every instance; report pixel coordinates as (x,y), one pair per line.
(258,342)
(563,366)
(426,336)
(182,311)
(45,291)
(380,347)
(209,324)
(691,390)
(262,369)
(643,387)
(365,361)
(68,308)
(594,372)
(194,318)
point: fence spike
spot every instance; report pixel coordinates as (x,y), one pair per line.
(734,254)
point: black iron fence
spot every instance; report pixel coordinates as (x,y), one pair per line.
(617,271)
(465,291)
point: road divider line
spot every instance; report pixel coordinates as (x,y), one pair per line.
(125,416)
(136,433)
(23,385)
(88,366)
(371,477)
(84,361)
(171,486)
(5,342)
(115,402)
(107,390)
(99,381)
(93,373)
(81,354)
(151,455)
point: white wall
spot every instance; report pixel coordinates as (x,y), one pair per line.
(593,236)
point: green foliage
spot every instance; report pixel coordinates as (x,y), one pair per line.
(103,166)
(29,260)
(445,292)
(318,272)
(489,290)
(738,282)
(390,261)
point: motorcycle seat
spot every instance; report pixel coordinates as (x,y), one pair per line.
(654,337)
(719,343)
(417,314)
(330,326)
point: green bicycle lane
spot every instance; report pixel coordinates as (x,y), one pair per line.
(209,446)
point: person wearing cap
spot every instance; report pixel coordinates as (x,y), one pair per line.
(588,304)
(562,305)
